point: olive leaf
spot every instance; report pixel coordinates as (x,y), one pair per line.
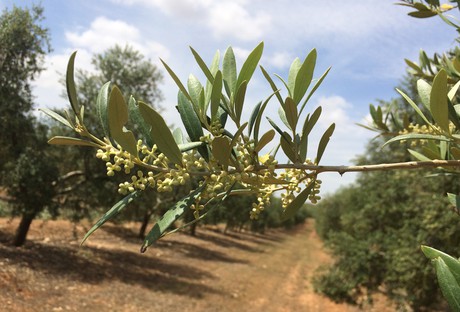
(216,94)
(174,213)
(239,99)
(61,140)
(191,122)
(288,147)
(304,76)
(290,109)
(324,141)
(264,140)
(250,65)
(56,117)
(438,101)
(111,213)
(298,202)
(229,71)
(221,149)
(160,133)
(70,85)
(101,107)
(118,117)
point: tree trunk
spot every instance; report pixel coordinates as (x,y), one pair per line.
(145,222)
(193,229)
(23,229)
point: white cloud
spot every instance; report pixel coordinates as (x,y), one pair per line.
(279,60)
(225,19)
(48,88)
(230,19)
(104,33)
(182,8)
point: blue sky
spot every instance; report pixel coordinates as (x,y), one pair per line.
(365,42)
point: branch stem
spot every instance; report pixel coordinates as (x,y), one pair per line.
(365,168)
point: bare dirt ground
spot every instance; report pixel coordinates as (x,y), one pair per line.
(209,272)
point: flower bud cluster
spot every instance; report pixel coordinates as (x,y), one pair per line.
(314,194)
(415,128)
(263,200)
(216,128)
(138,182)
(295,177)
(173,178)
(245,152)
(122,160)
(196,209)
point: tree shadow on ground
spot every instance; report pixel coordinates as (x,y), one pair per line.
(198,252)
(268,237)
(92,265)
(127,234)
(226,242)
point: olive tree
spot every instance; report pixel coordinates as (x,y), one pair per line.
(245,160)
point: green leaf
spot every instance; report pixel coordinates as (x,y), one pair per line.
(449,285)
(454,151)
(177,81)
(56,117)
(221,149)
(101,107)
(272,85)
(70,85)
(169,218)
(229,71)
(237,134)
(252,119)
(453,91)
(413,66)
(304,76)
(422,14)
(438,101)
(414,106)
(285,85)
(264,140)
(202,65)
(195,88)
(250,65)
(216,94)
(418,155)
(111,213)
(288,147)
(298,202)
(161,134)
(178,136)
(259,118)
(282,115)
(290,109)
(455,201)
(136,119)
(61,140)
(324,141)
(209,84)
(315,87)
(417,136)
(286,136)
(293,70)
(303,148)
(184,147)
(424,91)
(239,99)
(191,123)
(311,122)
(118,117)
